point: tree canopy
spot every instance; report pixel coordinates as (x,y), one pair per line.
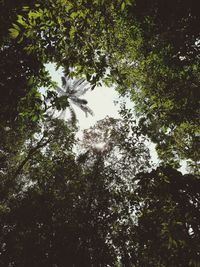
(99,201)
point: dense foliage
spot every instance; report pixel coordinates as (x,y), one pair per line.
(99,201)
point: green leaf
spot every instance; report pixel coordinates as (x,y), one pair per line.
(15,26)
(72,32)
(73,15)
(13,33)
(25,8)
(21,21)
(123,6)
(34,118)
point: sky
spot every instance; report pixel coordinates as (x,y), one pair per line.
(102,101)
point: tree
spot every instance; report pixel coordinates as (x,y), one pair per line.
(69,35)
(120,142)
(72,90)
(129,43)
(21,73)
(91,209)
(167,230)
(104,206)
(162,74)
(69,211)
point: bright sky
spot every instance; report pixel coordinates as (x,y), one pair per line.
(101,101)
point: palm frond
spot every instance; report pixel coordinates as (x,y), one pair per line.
(77,100)
(84,108)
(78,88)
(73,118)
(64,81)
(77,82)
(73,89)
(82,90)
(69,87)
(62,114)
(60,91)
(87,110)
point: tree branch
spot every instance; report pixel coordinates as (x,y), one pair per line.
(32,151)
